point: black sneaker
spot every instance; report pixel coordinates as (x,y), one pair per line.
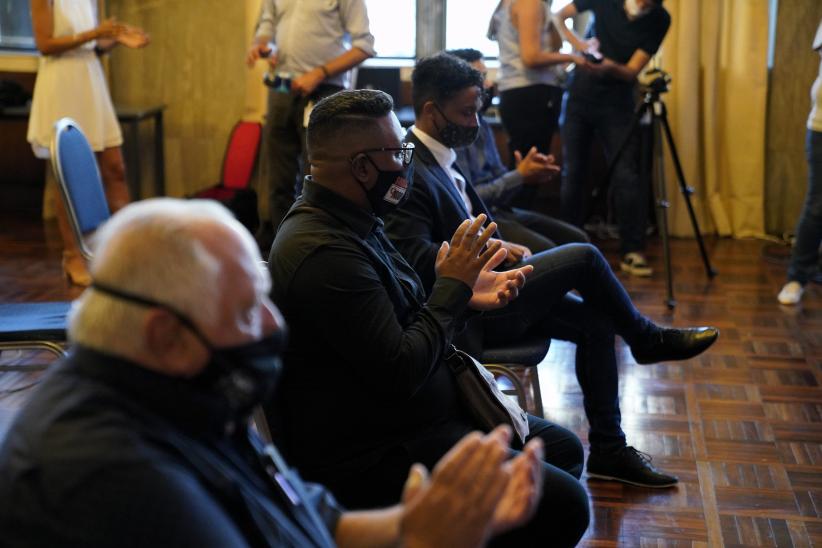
(674,344)
(628,465)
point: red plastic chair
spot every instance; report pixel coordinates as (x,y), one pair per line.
(238,165)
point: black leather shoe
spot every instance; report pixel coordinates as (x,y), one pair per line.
(628,465)
(674,344)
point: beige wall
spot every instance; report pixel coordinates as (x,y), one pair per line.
(195,66)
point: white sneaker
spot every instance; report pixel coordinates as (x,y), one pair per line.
(635,263)
(791,293)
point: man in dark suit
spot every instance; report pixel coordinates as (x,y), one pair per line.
(447,98)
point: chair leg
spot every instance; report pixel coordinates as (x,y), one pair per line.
(508,373)
(536,391)
(49,346)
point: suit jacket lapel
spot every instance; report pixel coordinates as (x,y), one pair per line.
(422,154)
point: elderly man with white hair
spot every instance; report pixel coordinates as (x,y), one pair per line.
(140,437)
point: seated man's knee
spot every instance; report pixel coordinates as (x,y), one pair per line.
(585,253)
(565,503)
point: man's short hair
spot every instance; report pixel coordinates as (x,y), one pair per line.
(469,55)
(440,77)
(348,110)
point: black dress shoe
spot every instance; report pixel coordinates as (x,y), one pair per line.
(674,344)
(628,465)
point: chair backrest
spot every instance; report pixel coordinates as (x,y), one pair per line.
(241,154)
(75,168)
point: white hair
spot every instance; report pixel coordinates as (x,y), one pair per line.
(151,249)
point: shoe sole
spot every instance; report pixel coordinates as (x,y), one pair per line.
(622,480)
(644,272)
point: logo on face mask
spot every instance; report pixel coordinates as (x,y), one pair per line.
(397,191)
(455,135)
(390,189)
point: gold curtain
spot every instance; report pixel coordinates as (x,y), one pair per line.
(716,51)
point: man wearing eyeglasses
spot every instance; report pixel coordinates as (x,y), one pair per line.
(366,391)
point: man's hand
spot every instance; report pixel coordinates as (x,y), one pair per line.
(308,82)
(464,258)
(524,491)
(258,51)
(457,507)
(495,290)
(535,167)
(515,252)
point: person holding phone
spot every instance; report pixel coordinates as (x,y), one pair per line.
(70,83)
(620,41)
(310,46)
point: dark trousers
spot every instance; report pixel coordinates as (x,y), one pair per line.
(529,116)
(561,518)
(609,123)
(283,148)
(805,255)
(536,231)
(604,310)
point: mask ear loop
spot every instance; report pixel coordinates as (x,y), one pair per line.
(354,159)
(444,117)
(150,303)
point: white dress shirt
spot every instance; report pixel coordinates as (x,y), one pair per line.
(446,157)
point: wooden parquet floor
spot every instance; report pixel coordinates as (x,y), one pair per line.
(740,425)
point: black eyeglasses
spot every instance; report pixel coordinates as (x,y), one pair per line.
(402,154)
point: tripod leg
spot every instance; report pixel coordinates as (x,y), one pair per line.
(686,191)
(662,206)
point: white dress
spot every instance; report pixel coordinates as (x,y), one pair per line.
(73,84)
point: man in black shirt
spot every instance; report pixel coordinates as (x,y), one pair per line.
(140,436)
(365,389)
(623,35)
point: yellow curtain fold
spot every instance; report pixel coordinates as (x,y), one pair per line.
(716,52)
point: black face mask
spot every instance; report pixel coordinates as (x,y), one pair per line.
(488,95)
(454,135)
(391,188)
(244,375)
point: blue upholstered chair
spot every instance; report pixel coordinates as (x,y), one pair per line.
(43,325)
(34,326)
(77,174)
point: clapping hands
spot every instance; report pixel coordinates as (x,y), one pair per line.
(472,256)
(473,493)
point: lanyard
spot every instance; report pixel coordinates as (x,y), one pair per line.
(291,486)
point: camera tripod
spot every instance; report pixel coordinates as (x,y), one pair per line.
(653,112)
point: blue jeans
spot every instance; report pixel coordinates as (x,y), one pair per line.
(604,310)
(580,122)
(805,256)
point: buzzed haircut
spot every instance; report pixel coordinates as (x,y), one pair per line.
(345,112)
(440,77)
(469,55)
